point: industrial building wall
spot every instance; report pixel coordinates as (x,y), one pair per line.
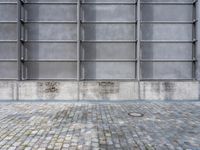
(120,40)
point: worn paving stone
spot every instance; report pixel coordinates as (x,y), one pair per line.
(67,126)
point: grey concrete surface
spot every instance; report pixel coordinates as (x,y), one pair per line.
(56,126)
(48,49)
(98,90)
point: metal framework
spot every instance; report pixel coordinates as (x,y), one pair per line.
(21,39)
(193,41)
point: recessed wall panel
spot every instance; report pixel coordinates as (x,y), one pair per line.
(109,12)
(45,12)
(166,70)
(50,32)
(169,12)
(108,32)
(8,51)
(108,51)
(166,50)
(50,51)
(108,70)
(51,70)
(8,70)
(166,31)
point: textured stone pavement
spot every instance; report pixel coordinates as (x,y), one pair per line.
(54,126)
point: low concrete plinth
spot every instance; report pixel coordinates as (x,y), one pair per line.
(98,90)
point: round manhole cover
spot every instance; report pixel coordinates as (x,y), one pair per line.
(135,114)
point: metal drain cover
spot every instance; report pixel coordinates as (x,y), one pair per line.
(135,114)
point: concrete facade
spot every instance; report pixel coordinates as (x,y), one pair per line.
(169,49)
(98,90)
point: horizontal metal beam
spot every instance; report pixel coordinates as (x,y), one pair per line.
(109,60)
(82,60)
(108,41)
(168,60)
(49,22)
(52,3)
(108,3)
(109,22)
(134,79)
(168,41)
(50,60)
(8,79)
(49,41)
(99,79)
(8,41)
(168,3)
(173,79)
(101,22)
(169,22)
(8,22)
(52,79)
(8,3)
(8,60)
(110,79)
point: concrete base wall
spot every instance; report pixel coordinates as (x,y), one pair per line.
(98,90)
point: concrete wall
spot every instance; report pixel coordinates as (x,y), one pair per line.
(98,90)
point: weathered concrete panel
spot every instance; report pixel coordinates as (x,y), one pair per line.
(98,90)
(50,90)
(8,90)
(169,90)
(108,90)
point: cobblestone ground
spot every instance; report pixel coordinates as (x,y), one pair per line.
(54,126)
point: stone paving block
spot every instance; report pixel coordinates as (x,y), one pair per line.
(87,126)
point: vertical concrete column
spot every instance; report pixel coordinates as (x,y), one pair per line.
(198,41)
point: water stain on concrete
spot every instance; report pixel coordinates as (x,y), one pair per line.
(48,89)
(51,87)
(169,88)
(99,90)
(156,87)
(108,88)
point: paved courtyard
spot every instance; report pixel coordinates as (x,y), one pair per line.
(55,126)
